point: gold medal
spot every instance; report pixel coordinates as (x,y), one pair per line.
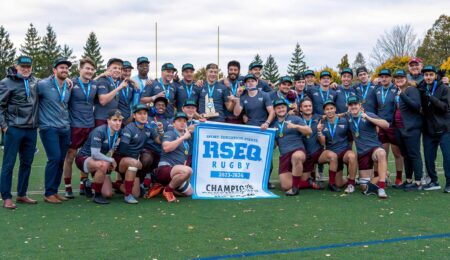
(308,136)
(363,101)
(357,134)
(186,152)
(281,135)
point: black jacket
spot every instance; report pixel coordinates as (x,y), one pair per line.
(15,108)
(436,109)
(410,108)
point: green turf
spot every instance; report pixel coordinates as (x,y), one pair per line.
(154,229)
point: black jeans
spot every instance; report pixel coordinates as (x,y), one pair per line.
(409,145)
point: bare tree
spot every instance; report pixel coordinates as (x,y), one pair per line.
(400,41)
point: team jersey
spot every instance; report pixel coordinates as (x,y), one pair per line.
(101,139)
(364,134)
(177,156)
(336,135)
(288,139)
(256,107)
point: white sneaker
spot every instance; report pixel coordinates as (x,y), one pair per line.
(382,194)
(350,189)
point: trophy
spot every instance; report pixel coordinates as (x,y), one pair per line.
(210,110)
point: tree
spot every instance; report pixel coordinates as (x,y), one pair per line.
(334,74)
(50,50)
(359,61)
(344,63)
(31,47)
(200,74)
(7,52)
(435,47)
(67,53)
(297,64)
(399,41)
(446,66)
(270,71)
(257,59)
(92,50)
(393,63)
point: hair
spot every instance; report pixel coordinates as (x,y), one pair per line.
(87,60)
(114,112)
(305,99)
(211,66)
(234,63)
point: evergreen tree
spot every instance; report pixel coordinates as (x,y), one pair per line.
(50,50)
(7,52)
(257,59)
(344,63)
(435,47)
(297,64)
(270,71)
(31,47)
(359,61)
(92,50)
(67,53)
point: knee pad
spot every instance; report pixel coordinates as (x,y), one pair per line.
(185,188)
(132,169)
(364,180)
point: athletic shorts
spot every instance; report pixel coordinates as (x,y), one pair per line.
(285,164)
(341,159)
(163,175)
(189,161)
(312,160)
(156,157)
(387,136)
(80,162)
(79,136)
(99,122)
(365,161)
(117,157)
(234,120)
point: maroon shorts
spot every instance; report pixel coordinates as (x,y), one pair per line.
(387,136)
(78,136)
(163,175)
(365,161)
(285,164)
(79,162)
(312,160)
(156,157)
(189,161)
(234,120)
(99,122)
(117,157)
(341,159)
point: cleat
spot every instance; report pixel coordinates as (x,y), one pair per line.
(350,189)
(333,188)
(398,182)
(154,191)
(371,189)
(69,195)
(315,185)
(412,187)
(447,189)
(82,192)
(292,192)
(100,200)
(88,188)
(382,194)
(169,196)
(130,199)
(271,186)
(432,186)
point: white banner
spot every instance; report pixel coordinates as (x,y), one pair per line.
(231,161)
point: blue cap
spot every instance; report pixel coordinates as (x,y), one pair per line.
(352,100)
(325,73)
(163,99)
(328,102)
(180,115)
(24,60)
(309,73)
(255,65)
(60,61)
(168,66)
(190,102)
(279,102)
(142,60)
(127,65)
(429,68)
(249,76)
(112,60)
(285,79)
(187,66)
(399,73)
(386,72)
(347,70)
(139,107)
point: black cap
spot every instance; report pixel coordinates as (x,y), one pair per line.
(115,112)
(187,66)
(386,72)
(139,107)
(429,68)
(309,73)
(112,60)
(299,76)
(142,60)
(255,65)
(285,79)
(24,60)
(361,69)
(168,66)
(325,73)
(190,102)
(163,99)
(328,102)
(60,61)
(279,102)
(127,65)
(399,73)
(180,115)
(347,70)
(249,76)
(352,100)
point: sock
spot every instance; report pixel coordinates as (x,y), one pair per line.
(128,187)
(168,189)
(399,175)
(82,178)
(303,184)
(332,179)
(350,181)
(375,173)
(97,187)
(68,184)
(147,180)
(382,184)
(116,185)
(296,181)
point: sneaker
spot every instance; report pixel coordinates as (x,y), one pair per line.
(382,194)
(413,187)
(130,199)
(398,182)
(350,189)
(447,189)
(425,180)
(371,189)
(88,188)
(169,196)
(433,185)
(333,187)
(100,200)
(154,191)
(315,185)
(401,185)
(271,186)
(292,192)
(69,195)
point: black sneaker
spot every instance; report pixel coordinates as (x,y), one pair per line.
(333,187)
(447,189)
(99,199)
(69,195)
(82,192)
(433,185)
(88,189)
(401,186)
(292,192)
(271,186)
(413,187)
(371,189)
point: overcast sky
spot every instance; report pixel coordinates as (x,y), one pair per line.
(187,30)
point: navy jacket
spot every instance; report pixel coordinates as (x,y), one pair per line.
(436,108)
(410,109)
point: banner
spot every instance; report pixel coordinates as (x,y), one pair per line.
(231,161)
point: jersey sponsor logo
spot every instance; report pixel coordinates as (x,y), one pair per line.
(341,126)
(127,135)
(260,99)
(219,90)
(246,101)
(97,138)
(316,94)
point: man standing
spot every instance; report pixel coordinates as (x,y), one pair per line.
(344,91)
(310,79)
(54,124)
(81,117)
(255,69)
(233,81)
(322,93)
(414,67)
(126,94)
(436,131)
(366,90)
(19,122)
(143,67)
(186,89)
(299,85)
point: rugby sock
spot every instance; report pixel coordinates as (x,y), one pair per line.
(128,187)
(296,181)
(97,187)
(303,184)
(116,185)
(350,181)
(68,184)
(332,177)
(382,184)
(399,175)
(82,178)
(168,189)
(375,173)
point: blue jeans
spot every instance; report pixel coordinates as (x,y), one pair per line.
(409,144)
(430,146)
(56,142)
(22,141)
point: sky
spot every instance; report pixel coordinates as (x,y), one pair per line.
(187,30)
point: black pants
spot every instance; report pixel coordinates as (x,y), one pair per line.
(409,144)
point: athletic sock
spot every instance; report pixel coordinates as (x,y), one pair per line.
(168,189)
(303,184)
(382,184)
(332,177)
(350,181)
(116,185)
(296,181)
(68,184)
(82,179)
(399,175)
(128,187)
(97,187)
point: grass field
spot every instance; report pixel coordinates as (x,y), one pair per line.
(154,229)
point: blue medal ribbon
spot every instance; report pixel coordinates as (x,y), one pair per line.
(433,89)
(185,143)
(300,97)
(188,88)
(308,123)
(333,129)
(347,93)
(166,91)
(62,94)
(116,84)
(88,92)
(126,93)
(321,94)
(280,128)
(384,94)
(356,124)
(234,87)
(27,87)
(365,90)
(111,144)
(210,90)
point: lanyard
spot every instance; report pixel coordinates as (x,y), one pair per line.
(321,94)
(285,99)
(384,95)
(333,129)
(141,84)
(309,123)
(27,87)
(356,124)
(234,87)
(126,93)
(210,90)
(88,92)
(347,93)
(365,91)
(185,143)
(63,93)
(166,91)
(434,89)
(188,88)
(116,84)
(300,97)
(280,128)
(111,144)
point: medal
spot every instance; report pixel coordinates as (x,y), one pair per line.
(365,91)
(280,128)
(281,135)
(62,94)
(356,124)
(186,152)
(308,136)
(357,134)
(363,101)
